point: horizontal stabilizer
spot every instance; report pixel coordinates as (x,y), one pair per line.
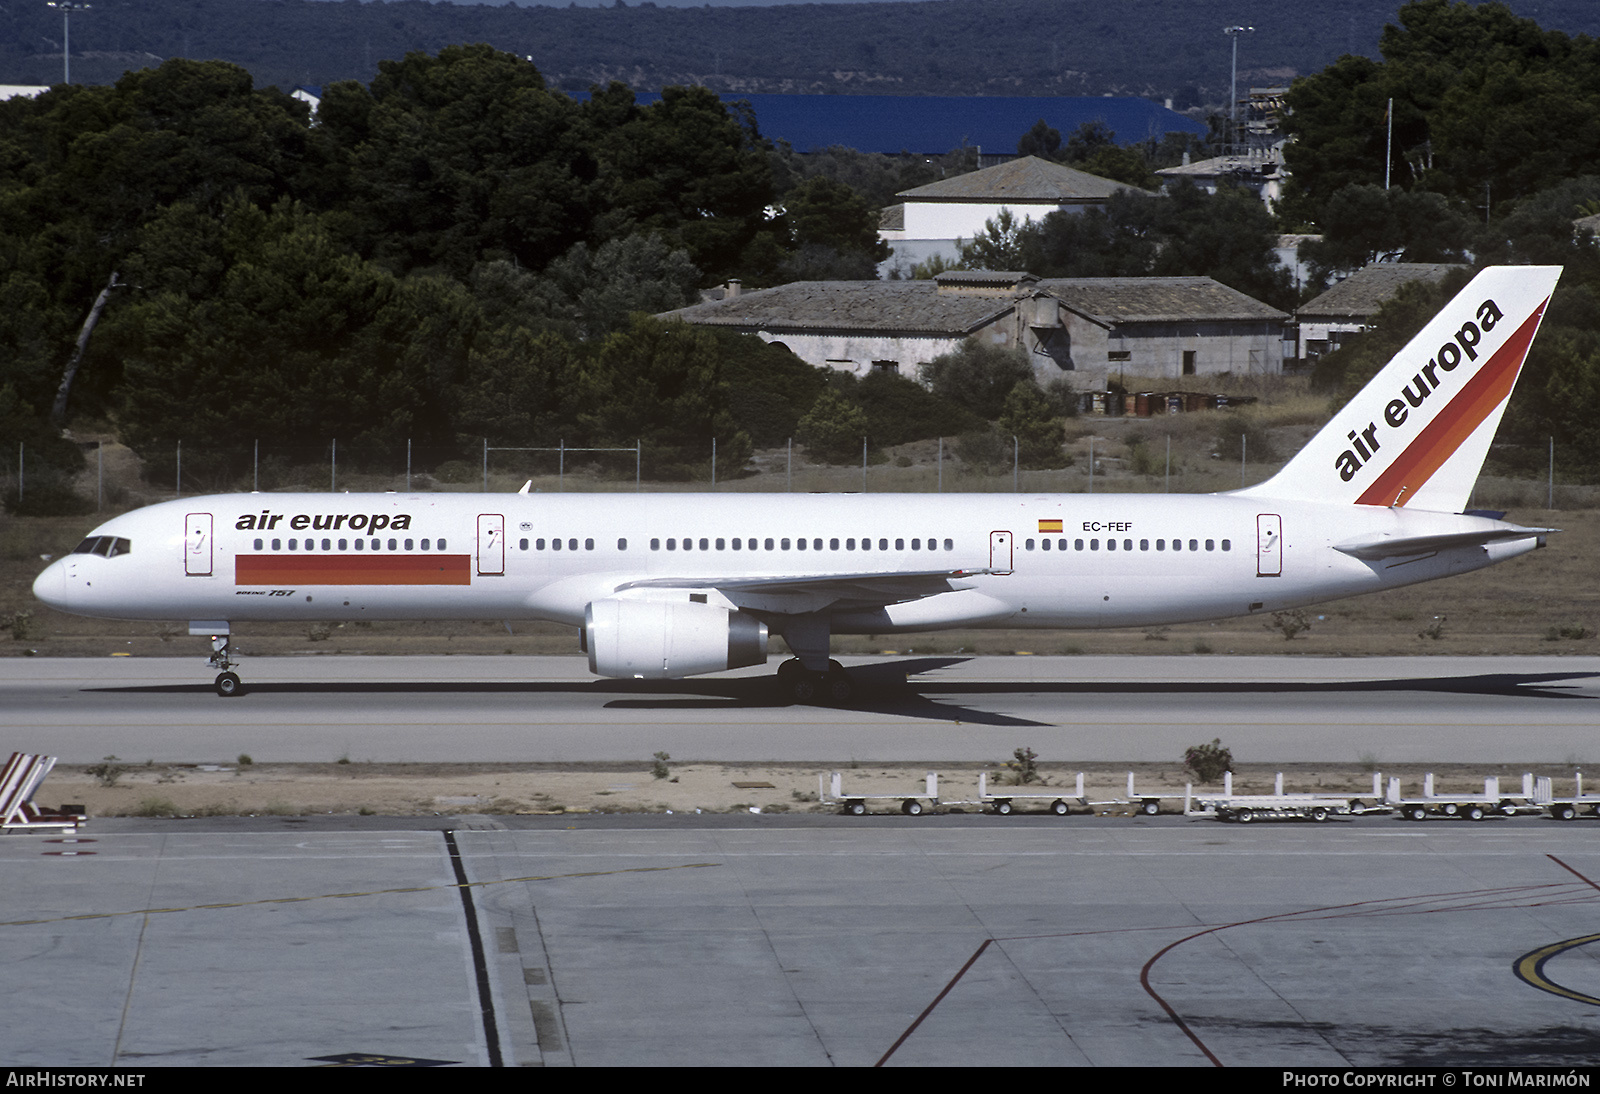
(1377,547)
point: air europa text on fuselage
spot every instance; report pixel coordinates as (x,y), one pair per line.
(267,521)
(1364,444)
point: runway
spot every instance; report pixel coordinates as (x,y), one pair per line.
(1089,709)
(817,941)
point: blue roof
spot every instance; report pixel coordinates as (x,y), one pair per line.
(936,124)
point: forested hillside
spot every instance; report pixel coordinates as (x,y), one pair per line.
(1160,48)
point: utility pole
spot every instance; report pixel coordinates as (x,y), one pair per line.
(67,7)
(1233,86)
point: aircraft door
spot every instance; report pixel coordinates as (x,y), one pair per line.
(491,545)
(1269,545)
(1000,552)
(197,545)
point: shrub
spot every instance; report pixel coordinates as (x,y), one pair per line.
(1208,762)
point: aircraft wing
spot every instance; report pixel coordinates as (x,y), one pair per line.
(1380,547)
(813,592)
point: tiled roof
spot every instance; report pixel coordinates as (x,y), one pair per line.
(1157,299)
(902,306)
(892,218)
(919,306)
(1027,179)
(1361,294)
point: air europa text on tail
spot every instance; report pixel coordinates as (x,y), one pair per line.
(1450,355)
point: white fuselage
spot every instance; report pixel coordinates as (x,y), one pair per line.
(1060,560)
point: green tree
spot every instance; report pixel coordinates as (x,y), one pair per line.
(1039,434)
(978,376)
(1364,223)
(833,429)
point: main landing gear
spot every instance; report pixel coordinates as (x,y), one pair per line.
(227,683)
(798,684)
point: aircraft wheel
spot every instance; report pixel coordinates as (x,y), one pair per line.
(838,685)
(228,684)
(911,807)
(1058,807)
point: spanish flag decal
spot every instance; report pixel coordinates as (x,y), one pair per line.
(1049,526)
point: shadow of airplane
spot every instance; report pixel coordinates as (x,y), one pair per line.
(886,688)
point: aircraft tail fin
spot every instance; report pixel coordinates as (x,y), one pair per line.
(1418,433)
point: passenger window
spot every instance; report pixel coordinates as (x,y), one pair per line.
(1194,545)
(258,547)
(325,545)
(1111,545)
(833,545)
(344,545)
(816,545)
(622,545)
(588,544)
(1027,545)
(916,545)
(359,544)
(899,545)
(1144,545)
(800,544)
(1077,545)
(277,545)
(1094,545)
(672,545)
(572,545)
(294,545)
(538,544)
(883,545)
(1161,545)
(722,544)
(705,545)
(1211,545)
(1127,545)
(736,544)
(655,545)
(393,544)
(410,544)
(522,544)
(950,545)
(1061,544)
(1227,545)
(785,545)
(769,545)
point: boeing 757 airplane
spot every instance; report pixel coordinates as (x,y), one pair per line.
(673,585)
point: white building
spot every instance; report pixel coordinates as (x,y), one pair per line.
(931,218)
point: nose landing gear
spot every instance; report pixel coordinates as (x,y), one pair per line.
(227,683)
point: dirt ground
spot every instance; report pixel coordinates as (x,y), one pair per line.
(190,790)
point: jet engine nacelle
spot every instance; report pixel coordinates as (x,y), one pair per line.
(665,640)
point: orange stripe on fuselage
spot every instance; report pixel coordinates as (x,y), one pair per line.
(1438,441)
(353,570)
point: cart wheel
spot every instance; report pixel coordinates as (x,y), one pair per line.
(1058,807)
(1416,812)
(1150,809)
(1473,812)
(1003,808)
(1450,809)
(911,807)
(1245,816)
(1319,814)
(855,809)
(1564,812)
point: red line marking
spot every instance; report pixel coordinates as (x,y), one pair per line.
(353,570)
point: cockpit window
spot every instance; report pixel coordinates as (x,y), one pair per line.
(108,546)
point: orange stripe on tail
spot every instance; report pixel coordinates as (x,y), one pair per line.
(1438,441)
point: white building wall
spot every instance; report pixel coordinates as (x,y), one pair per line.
(855,353)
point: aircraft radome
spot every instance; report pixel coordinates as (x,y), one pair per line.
(673,585)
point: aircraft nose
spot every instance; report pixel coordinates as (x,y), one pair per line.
(51,586)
